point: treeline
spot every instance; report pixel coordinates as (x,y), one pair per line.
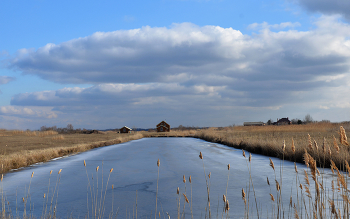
(67,130)
(307,119)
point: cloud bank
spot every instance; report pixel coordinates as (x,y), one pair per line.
(328,7)
(180,71)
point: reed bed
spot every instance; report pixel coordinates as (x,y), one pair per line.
(18,149)
(268,140)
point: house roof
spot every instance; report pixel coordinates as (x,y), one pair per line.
(126,127)
(284,120)
(162,123)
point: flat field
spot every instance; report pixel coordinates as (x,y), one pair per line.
(321,140)
(23,148)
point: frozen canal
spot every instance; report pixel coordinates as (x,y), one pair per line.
(134,181)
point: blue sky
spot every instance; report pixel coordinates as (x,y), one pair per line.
(106,64)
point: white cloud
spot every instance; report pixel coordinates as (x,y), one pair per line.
(192,73)
(187,53)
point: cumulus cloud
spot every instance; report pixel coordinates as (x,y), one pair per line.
(186,69)
(186,53)
(329,7)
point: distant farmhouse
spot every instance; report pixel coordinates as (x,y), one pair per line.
(253,124)
(283,121)
(125,129)
(163,127)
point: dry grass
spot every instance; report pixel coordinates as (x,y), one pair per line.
(20,149)
(269,140)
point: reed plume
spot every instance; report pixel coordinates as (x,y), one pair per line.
(186,199)
(309,142)
(336,147)
(343,139)
(296,215)
(227,208)
(293,146)
(272,164)
(315,145)
(243,196)
(277,186)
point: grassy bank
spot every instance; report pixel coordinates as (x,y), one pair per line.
(24,148)
(320,140)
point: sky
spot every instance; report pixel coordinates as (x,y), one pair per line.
(108,64)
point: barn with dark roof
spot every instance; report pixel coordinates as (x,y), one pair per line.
(125,129)
(163,127)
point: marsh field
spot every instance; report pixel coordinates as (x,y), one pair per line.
(317,190)
(22,148)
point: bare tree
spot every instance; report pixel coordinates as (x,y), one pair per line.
(70,128)
(308,119)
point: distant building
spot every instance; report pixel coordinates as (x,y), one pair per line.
(253,124)
(163,127)
(125,130)
(283,121)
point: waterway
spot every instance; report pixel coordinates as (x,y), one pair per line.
(83,192)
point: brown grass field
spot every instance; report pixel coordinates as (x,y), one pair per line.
(23,148)
(269,140)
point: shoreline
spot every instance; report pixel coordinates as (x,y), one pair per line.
(258,140)
(26,158)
